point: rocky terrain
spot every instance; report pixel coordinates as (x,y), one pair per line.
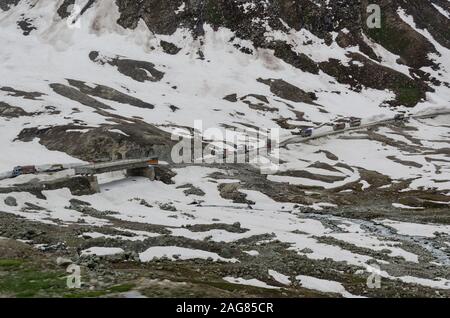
(94,81)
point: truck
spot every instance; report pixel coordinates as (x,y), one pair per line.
(339,126)
(20,170)
(55,168)
(153,161)
(306,132)
(355,122)
(399,117)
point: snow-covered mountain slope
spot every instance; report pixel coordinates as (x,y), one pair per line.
(90,63)
(98,80)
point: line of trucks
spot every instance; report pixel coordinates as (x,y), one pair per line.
(306,133)
(25,170)
(341,124)
(21,170)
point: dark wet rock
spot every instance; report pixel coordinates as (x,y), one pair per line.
(170,48)
(284,123)
(76,185)
(26,25)
(52,110)
(140,71)
(288,91)
(329,155)
(230,191)
(405,162)
(159,16)
(143,202)
(423,200)
(18,93)
(139,140)
(261,98)
(244,49)
(261,107)
(174,108)
(109,93)
(347,40)
(301,61)
(10,201)
(231,98)
(64,11)
(323,166)
(164,174)
(79,202)
(88,210)
(168,207)
(32,206)
(9,111)
(192,190)
(136,70)
(5,5)
(232,228)
(262,103)
(78,96)
(313,176)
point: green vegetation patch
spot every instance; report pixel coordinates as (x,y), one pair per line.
(408,96)
(26,282)
(213,13)
(389,37)
(7,263)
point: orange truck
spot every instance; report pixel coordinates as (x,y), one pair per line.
(153,162)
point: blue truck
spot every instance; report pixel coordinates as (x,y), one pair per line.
(20,170)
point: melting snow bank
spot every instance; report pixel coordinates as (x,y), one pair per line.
(326,286)
(281,278)
(138,235)
(132,294)
(406,207)
(102,251)
(180,253)
(249,282)
(439,283)
(415,229)
(252,253)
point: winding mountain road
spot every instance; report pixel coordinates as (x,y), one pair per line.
(299,139)
(263,150)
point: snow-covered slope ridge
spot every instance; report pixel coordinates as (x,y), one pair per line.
(279,63)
